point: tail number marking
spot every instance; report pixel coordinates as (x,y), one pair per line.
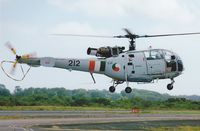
(74,62)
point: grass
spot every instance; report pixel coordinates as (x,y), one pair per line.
(171,111)
(168,125)
(66,108)
(179,128)
(55,108)
(10,117)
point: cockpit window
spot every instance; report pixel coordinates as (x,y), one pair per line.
(168,55)
(153,55)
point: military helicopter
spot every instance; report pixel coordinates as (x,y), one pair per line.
(142,66)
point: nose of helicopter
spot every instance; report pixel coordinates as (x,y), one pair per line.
(180,64)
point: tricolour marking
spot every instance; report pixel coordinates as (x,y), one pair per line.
(116,67)
(103,66)
(91,65)
(97,66)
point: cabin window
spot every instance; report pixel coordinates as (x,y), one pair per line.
(153,55)
(168,55)
(130,63)
(131,55)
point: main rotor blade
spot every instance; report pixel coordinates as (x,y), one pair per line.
(78,35)
(128,31)
(163,35)
(129,35)
(96,36)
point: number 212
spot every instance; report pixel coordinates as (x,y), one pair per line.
(74,62)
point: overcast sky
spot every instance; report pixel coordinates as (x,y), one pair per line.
(28,23)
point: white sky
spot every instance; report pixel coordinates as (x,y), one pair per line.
(28,23)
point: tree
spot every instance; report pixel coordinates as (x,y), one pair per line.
(18,91)
(4,91)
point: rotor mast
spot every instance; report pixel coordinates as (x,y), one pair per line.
(130,36)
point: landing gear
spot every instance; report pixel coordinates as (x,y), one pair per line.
(112,89)
(128,90)
(170,86)
(115,84)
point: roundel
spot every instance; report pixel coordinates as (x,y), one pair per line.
(116,67)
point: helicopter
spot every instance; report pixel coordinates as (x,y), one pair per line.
(141,66)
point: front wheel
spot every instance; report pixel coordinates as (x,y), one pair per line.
(170,86)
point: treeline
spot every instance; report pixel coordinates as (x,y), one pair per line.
(94,98)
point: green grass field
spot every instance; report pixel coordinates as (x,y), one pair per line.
(75,108)
(66,108)
(178,128)
(172,125)
(53,108)
(69,108)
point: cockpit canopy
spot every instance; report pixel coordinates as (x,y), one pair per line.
(160,54)
(171,58)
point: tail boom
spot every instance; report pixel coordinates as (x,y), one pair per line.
(86,65)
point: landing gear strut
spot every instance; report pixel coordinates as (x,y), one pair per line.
(170,86)
(115,84)
(127,89)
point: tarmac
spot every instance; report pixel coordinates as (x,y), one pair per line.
(28,119)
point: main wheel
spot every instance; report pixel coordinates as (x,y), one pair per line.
(170,86)
(112,89)
(128,90)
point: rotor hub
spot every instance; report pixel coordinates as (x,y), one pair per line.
(18,57)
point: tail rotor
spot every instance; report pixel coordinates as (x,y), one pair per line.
(16,62)
(13,50)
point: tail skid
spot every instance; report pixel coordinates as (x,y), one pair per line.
(24,73)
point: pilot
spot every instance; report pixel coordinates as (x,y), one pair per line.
(171,65)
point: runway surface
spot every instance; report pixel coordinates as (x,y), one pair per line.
(32,118)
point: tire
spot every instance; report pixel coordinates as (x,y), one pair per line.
(128,90)
(169,86)
(112,89)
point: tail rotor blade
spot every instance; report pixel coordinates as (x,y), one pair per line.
(30,55)
(12,71)
(17,59)
(9,46)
